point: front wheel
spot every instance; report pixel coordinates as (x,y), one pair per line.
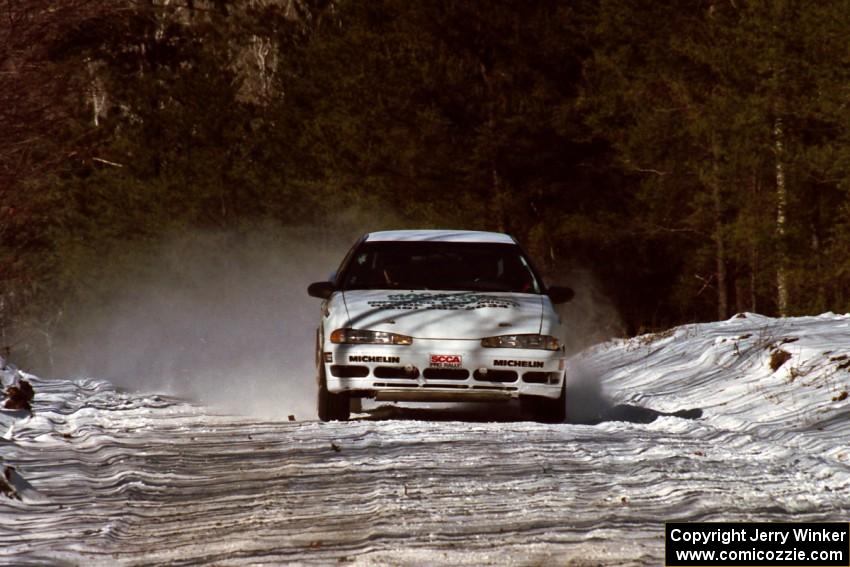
(545,410)
(331,407)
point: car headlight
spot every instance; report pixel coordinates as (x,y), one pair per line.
(358,337)
(542,342)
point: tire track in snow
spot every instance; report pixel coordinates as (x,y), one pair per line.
(132,479)
(287,495)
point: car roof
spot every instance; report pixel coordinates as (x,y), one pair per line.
(439,236)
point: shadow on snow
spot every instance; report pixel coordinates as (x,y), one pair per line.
(580,411)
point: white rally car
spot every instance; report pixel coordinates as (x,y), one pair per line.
(439,315)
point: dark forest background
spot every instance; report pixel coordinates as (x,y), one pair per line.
(693,155)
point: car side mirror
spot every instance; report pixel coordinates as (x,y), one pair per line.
(560,294)
(322,290)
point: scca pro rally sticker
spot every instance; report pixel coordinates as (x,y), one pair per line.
(446,361)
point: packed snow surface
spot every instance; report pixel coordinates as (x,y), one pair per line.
(105,477)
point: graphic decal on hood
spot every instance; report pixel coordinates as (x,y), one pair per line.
(446,301)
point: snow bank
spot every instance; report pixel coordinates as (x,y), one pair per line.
(124,478)
(746,373)
(12,485)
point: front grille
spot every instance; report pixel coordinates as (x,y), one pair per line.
(349,371)
(446,373)
(396,372)
(540,377)
(496,376)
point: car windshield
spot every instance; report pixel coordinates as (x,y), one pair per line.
(461,266)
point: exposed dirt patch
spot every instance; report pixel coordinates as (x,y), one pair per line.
(777,358)
(650,338)
(6,487)
(19,397)
(840,397)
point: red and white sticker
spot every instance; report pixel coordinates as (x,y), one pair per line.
(446,361)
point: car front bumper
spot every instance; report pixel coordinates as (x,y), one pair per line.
(442,370)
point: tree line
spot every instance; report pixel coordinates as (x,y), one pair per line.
(693,155)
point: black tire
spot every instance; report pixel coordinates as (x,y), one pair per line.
(545,410)
(331,407)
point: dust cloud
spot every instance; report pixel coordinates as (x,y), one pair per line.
(589,318)
(222,318)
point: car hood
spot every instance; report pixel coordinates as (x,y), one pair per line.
(444,314)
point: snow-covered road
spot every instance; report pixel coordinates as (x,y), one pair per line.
(109,477)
